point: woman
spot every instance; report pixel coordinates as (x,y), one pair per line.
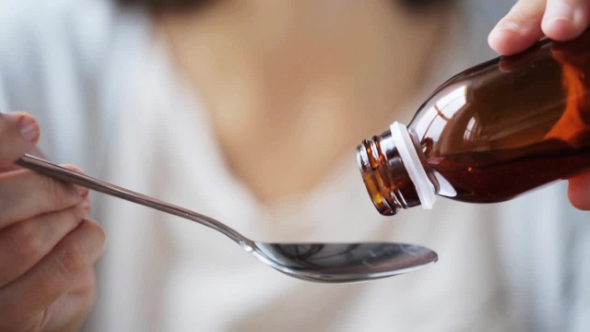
(245,111)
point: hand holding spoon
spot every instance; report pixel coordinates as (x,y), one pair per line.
(322,262)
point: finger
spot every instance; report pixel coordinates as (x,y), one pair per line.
(70,310)
(29,296)
(519,29)
(24,244)
(19,132)
(566,19)
(579,191)
(9,167)
(34,151)
(25,194)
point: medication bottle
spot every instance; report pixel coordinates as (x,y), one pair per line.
(489,134)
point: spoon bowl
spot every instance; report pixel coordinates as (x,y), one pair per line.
(320,262)
(343,262)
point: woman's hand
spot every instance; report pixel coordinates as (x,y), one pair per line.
(527,22)
(47,246)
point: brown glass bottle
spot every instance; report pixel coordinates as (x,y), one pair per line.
(489,134)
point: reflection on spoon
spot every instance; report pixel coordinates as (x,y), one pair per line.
(323,262)
(344,262)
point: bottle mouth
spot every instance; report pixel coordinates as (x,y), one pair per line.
(386,179)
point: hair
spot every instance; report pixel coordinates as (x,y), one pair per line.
(172,5)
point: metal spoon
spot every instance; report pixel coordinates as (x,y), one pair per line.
(322,262)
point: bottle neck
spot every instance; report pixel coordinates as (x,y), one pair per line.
(385,176)
(393,172)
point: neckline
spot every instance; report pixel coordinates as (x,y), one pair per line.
(344,174)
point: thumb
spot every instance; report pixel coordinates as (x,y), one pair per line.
(19,132)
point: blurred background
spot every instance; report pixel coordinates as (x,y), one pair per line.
(249,111)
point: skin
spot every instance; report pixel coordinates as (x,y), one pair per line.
(526,23)
(48,247)
(294,111)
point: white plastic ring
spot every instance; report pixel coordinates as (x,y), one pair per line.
(407,151)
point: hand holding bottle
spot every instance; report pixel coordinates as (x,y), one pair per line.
(526,23)
(47,246)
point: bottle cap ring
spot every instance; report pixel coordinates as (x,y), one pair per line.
(405,147)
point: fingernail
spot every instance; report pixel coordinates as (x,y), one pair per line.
(104,245)
(559,11)
(82,191)
(29,128)
(509,25)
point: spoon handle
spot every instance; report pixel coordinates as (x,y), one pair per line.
(61,173)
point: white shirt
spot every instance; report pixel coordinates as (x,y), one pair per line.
(108,101)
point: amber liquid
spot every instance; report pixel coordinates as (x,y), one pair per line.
(488,177)
(510,125)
